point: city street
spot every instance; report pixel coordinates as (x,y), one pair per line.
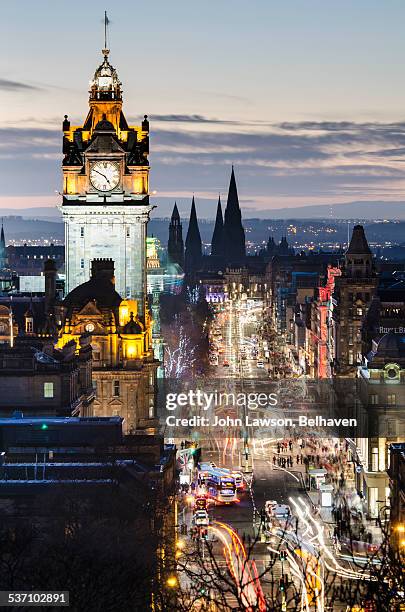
(302,558)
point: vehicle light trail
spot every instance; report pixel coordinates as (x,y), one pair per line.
(240,567)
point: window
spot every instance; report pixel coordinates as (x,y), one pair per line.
(82,232)
(151,409)
(374,459)
(82,264)
(116,388)
(374,400)
(29,327)
(350,357)
(48,389)
(360,312)
(391,428)
(391,399)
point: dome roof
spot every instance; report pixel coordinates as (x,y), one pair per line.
(133,326)
(105,84)
(97,288)
(391,346)
(104,126)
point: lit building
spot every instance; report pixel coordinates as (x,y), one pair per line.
(381,423)
(38,380)
(105,204)
(354,290)
(124,367)
(396,475)
(318,336)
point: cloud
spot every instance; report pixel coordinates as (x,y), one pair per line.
(191,119)
(6,85)
(303,160)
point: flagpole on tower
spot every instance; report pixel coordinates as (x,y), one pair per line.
(106,22)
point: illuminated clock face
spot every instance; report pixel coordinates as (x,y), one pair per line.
(89,327)
(104,175)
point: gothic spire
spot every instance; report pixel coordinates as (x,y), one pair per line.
(175,245)
(217,242)
(234,234)
(3,250)
(193,252)
(175,213)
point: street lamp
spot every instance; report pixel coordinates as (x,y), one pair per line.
(180,544)
(172,582)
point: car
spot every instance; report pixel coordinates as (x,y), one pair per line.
(201,518)
(226,363)
(281,515)
(260,364)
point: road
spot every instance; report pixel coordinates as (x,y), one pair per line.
(234,336)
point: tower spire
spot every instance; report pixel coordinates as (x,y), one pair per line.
(3,250)
(217,247)
(193,252)
(175,245)
(234,234)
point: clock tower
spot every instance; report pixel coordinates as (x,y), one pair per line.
(105,203)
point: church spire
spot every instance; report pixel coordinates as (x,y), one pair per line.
(3,250)
(234,234)
(193,252)
(175,214)
(175,245)
(217,242)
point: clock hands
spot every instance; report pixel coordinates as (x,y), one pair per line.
(101,174)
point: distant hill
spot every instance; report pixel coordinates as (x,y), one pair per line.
(348,210)
(24,230)
(49,213)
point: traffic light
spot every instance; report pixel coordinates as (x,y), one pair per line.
(44,426)
(283,555)
(282,585)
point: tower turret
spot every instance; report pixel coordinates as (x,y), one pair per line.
(358,262)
